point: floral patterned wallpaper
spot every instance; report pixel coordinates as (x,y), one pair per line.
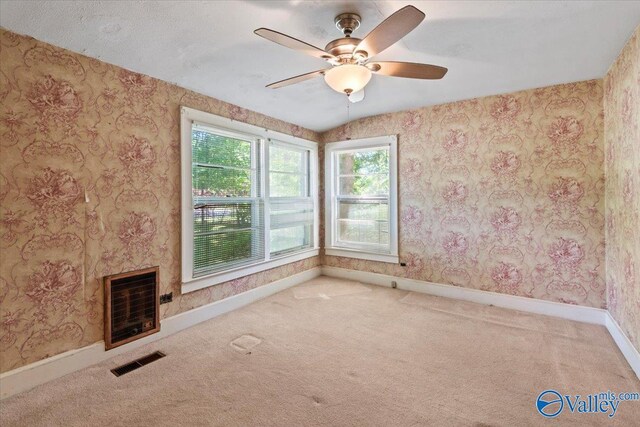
(90,186)
(503,193)
(507,192)
(622,144)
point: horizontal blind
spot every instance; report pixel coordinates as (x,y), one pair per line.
(290,203)
(291,225)
(228,212)
(227,234)
(363,220)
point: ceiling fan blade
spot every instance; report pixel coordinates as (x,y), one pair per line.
(292,43)
(391,30)
(410,70)
(296,79)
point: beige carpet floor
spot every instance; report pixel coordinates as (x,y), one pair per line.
(337,353)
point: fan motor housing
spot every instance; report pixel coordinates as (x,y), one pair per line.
(342,48)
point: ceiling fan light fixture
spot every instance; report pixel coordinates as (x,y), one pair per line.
(347,78)
(349,55)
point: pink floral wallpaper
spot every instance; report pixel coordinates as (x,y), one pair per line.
(504,193)
(90,186)
(622,146)
(507,192)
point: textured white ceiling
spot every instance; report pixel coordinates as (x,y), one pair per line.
(489,47)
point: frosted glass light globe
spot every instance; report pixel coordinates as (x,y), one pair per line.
(347,78)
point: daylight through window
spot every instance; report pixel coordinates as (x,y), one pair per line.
(249,198)
(362,206)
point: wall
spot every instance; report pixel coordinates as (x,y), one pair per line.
(622,143)
(504,193)
(90,186)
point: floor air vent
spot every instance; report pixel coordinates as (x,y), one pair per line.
(131,306)
(138,363)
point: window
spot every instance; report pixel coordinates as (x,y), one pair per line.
(249,199)
(361,201)
(290,196)
(228,220)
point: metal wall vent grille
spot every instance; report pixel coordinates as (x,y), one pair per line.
(131,306)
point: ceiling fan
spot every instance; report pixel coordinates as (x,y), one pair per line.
(350,57)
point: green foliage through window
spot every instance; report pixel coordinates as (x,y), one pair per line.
(221,166)
(363,192)
(228,209)
(225,232)
(364,172)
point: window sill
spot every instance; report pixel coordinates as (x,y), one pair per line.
(246,270)
(371,256)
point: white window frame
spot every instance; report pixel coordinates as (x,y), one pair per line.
(189,116)
(332,248)
(279,199)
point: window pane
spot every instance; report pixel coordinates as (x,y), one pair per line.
(291,225)
(218,217)
(365,162)
(364,172)
(367,210)
(364,221)
(369,185)
(210,251)
(289,172)
(362,216)
(227,232)
(363,231)
(283,159)
(285,214)
(291,221)
(220,150)
(290,238)
(220,182)
(287,185)
(226,235)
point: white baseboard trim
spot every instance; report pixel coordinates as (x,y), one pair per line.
(578,313)
(531,305)
(624,344)
(29,376)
